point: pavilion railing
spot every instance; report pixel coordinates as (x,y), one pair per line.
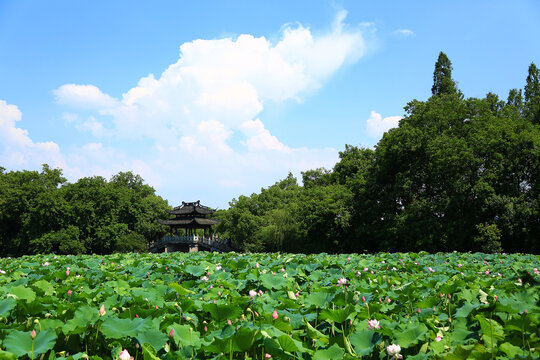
(214,243)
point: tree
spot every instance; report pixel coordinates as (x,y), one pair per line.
(442,77)
(532,95)
(21,192)
(41,213)
(456,175)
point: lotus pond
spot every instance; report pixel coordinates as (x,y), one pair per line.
(261,306)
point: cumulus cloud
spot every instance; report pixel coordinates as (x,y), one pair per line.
(202,113)
(86,96)
(18,150)
(377,125)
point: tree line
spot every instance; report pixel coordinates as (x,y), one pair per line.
(41,213)
(456,174)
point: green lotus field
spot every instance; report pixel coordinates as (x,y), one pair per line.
(262,306)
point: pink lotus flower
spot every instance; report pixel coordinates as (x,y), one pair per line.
(102,310)
(33,334)
(46,263)
(393,350)
(373,324)
(275,315)
(204,278)
(229,322)
(124,355)
(267,356)
(69,292)
(252,293)
(2,272)
(218,267)
(438,338)
(348,259)
(342,281)
(171,333)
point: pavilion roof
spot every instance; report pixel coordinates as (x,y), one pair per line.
(189,222)
(191,208)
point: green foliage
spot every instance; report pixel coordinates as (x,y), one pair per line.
(532,95)
(458,174)
(432,306)
(21,343)
(442,77)
(41,213)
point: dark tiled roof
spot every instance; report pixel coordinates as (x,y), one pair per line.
(191,208)
(189,221)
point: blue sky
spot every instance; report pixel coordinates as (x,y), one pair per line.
(211,100)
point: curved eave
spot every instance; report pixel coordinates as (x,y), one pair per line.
(189,222)
(190,210)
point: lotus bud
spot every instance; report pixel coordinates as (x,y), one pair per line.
(171,333)
(124,355)
(33,334)
(275,315)
(102,310)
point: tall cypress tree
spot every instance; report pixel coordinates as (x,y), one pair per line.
(532,95)
(442,77)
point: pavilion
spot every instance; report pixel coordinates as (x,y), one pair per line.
(190,217)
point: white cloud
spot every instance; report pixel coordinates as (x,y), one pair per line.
(85,96)
(201,114)
(377,125)
(18,150)
(260,139)
(405,32)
